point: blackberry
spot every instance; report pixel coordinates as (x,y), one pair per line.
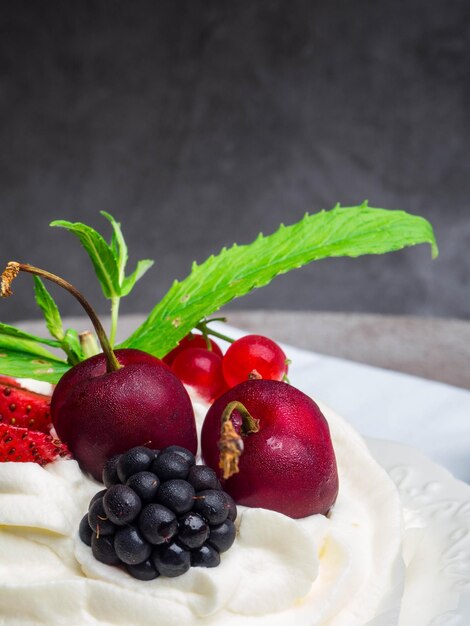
(177,495)
(130,546)
(231,507)
(98,519)
(192,530)
(189,456)
(122,504)
(171,559)
(203,477)
(205,556)
(96,497)
(143,571)
(160,514)
(222,536)
(103,550)
(157,523)
(135,460)
(84,531)
(170,464)
(212,505)
(145,485)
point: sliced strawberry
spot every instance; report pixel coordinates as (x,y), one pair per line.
(23,445)
(23,408)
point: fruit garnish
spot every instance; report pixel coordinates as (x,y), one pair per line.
(192,340)
(201,370)
(114,400)
(254,356)
(24,408)
(270,445)
(234,272)
(178,526)
(22,445)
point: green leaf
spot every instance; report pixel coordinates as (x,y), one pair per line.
(118,245)
(11,331)
(72,346)
(25,345)
(140,270)
(100,253)
(49,308)
(25,365)
(343,231)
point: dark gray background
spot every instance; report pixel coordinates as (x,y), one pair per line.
(201,123)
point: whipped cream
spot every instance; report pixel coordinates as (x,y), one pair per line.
(341,570)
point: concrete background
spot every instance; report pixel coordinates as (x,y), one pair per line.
(200,123)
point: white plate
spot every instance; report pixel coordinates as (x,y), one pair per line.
(437,539)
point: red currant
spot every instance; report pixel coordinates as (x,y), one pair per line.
(192,340)
(201,369)
(254,356)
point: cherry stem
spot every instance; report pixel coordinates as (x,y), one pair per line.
(12,270)
(231,442)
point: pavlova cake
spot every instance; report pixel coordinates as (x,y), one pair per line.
(244,502)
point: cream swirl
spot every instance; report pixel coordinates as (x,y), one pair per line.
(344,569)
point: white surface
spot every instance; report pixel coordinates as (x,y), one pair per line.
(437,542)
(433,417)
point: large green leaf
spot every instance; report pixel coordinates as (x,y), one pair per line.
(343,231)
(25,345)
(24,365)
(11,331)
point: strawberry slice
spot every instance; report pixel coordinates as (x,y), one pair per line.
(23,408)
(23,445)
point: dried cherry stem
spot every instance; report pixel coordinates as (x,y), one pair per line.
(13,269)
(231,442)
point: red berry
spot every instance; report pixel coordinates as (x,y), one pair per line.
(254,356)
(201,369)
(23,408)
(23,445)
(191,341)
(98,413)
(286,460)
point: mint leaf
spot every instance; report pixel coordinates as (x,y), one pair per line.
(20,344)
(343,231)
(72,346)
(118,245)
(11,331)
(100,253)
(49,308)
(129,282)
(21,364)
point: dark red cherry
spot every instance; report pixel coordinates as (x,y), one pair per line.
(287,462)
(100,413)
